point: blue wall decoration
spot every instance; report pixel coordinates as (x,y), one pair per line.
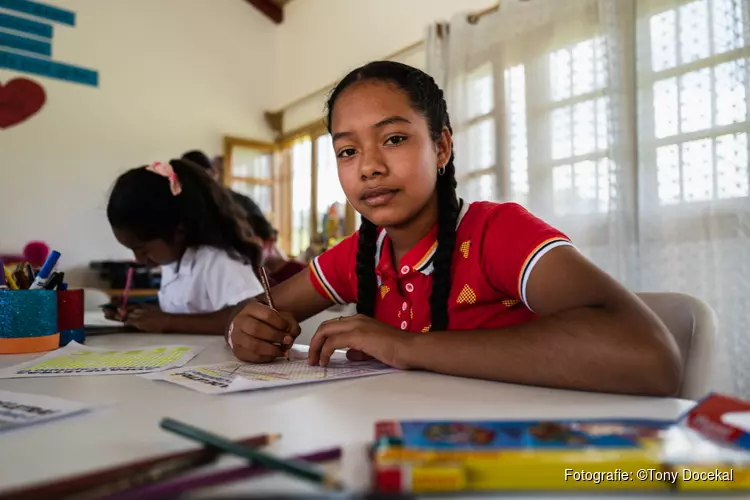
(24,25)
(26,44)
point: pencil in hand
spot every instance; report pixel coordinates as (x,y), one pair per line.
(267,291)
(126,292)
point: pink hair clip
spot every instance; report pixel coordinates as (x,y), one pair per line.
(166,170)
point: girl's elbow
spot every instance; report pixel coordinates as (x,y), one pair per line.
(662,370)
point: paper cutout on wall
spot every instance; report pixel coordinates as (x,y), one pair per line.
(20,99)
(25,44)
(44,11)
(24,25)
(19,52)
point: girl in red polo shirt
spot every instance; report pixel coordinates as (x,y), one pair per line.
(482,289)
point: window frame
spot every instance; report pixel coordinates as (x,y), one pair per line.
(649,143)
(230,142)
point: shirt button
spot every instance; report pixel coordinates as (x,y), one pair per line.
(409,287)
(405,270)
(404,306)
(403,325)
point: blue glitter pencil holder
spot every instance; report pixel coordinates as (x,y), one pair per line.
(28,321)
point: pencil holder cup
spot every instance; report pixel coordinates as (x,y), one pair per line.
(70,316)
(28,321)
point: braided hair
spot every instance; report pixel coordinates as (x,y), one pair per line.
(141,202)
(426,98)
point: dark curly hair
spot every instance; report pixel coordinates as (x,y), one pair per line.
(427,98)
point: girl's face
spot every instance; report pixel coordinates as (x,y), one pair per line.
(153,252)
(387,161)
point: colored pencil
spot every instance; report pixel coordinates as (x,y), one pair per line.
(91,482)
(11,283)
(3,280)
(126,291)
(220,477)
(296,468)
(267,291)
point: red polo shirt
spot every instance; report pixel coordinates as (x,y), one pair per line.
(497,246)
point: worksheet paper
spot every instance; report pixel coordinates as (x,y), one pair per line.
(18,409)
(236,376)
(77,359)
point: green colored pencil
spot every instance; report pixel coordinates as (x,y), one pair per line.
(293,467)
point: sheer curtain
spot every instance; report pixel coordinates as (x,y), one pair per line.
(625,124)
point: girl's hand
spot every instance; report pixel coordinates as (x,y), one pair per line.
(259,334)
(147,319)
(365,337)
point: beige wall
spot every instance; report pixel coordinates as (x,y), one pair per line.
(321,40)
(174,75)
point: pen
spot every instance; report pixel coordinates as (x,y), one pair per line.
(54,281)
(44,273)
(296,468)
(269,300)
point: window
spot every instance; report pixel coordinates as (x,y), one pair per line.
(477,172)
(329,194)
(301,195)
(249,170)
(578,134)
(518,158)
(314,190)
(696,80)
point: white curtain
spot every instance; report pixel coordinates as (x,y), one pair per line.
(625,124)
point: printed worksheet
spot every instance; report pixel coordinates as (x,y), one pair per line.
(18,409)
(77,359)
(236,376)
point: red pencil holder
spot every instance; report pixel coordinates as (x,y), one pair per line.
(70,316)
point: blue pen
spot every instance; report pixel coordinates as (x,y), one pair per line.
(40,281)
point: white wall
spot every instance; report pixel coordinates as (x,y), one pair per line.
(321,40)
(174,75)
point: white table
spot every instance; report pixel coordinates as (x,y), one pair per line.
(310,417)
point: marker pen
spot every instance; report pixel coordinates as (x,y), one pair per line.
(44,273)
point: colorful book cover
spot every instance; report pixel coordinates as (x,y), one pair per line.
(614,454)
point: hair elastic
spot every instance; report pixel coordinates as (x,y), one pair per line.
(166,170)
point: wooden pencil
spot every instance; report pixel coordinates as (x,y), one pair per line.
(298,469)
(68,488)
(267,291)
(181,486)
(126,292)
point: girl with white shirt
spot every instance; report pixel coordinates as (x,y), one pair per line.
(176,216)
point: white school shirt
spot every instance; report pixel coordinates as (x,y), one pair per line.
(206,280)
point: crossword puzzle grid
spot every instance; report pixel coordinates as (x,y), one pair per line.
(284,370)
(138,358)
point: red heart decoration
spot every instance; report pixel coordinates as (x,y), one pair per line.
(20,99)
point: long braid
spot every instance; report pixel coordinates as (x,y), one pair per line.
(366,283)
(427,98)
(446,238)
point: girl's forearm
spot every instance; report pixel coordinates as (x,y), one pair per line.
(588,349)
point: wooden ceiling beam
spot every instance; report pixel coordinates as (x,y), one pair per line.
(269,9)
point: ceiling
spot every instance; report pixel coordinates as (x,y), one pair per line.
(272,9)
